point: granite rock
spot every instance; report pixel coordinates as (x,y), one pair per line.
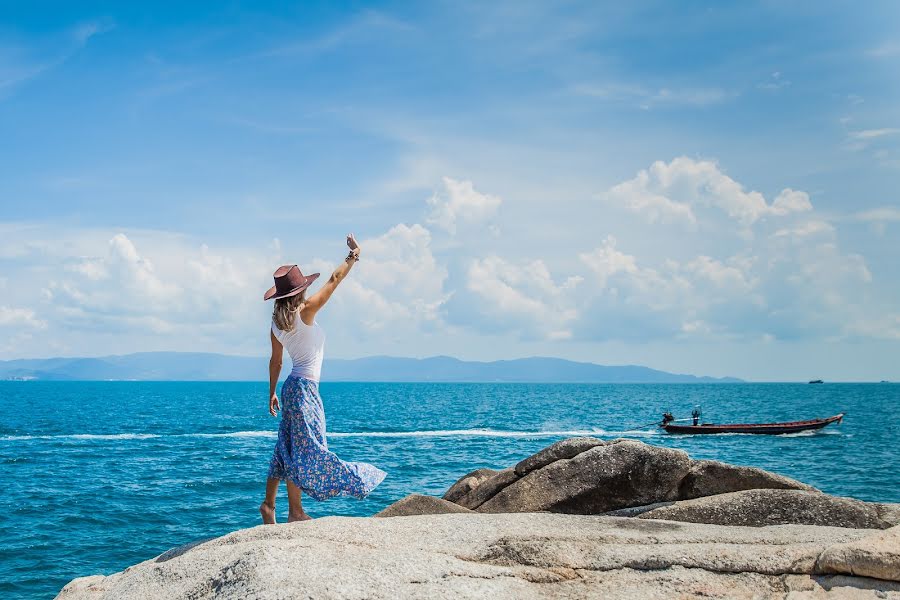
(757,508)
(417,504)
(501,556)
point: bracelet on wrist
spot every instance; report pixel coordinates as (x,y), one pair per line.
(353,255)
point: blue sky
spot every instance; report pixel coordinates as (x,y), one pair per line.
(697,186)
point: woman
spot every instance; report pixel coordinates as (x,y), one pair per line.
(301,453)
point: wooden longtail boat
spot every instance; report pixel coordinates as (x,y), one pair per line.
(760,428)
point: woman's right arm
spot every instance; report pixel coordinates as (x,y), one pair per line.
(318,300)
(274,372)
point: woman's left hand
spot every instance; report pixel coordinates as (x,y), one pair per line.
(273,405)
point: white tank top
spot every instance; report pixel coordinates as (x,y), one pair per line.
(306,347)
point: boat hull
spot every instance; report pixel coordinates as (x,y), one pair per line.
(754,428)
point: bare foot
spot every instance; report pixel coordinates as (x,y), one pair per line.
(268,513)
(292,517)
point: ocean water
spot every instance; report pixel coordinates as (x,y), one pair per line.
(97,476)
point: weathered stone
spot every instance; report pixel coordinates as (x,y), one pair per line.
(876,555)
(757,508)
(522,556)
(417,504)
(562,449)
(488,488)
(888,512)
(633,511)
(467,483)
(604,478)
(711,477)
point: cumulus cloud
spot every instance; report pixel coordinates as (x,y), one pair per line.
(788,279)
(675,191)
(398,286)
(162,286)
(523,296)
(659,280)
(460,204)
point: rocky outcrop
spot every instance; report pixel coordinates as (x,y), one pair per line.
(501,556)
(417,504)
(629,478)
(602,478)
(876,556)
(467,483)
(488,488)
(757,508)
(695,529)
(711,477)
(567,448)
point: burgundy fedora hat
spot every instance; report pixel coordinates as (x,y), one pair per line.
(289,281)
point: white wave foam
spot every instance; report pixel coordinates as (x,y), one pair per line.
(338,434)
(81,436)
(111,436)
(467,433)
(233,434)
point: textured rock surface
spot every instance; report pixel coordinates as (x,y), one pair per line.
(586,475)
(567,448)
(616,475)
(417,504)
(467,483)
(889,513)
(519,556)
(757,508)
(710,477)
(488,488)
(876,555)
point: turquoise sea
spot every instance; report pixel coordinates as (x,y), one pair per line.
(96,476)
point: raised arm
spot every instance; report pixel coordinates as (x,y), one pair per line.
(274,372)
(318,300)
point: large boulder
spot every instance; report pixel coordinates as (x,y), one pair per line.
(417,504)
(488,488)
(877,556)
(607,477)
(510,556)
(758,508)
(567,448)
(467,483)
(711,477)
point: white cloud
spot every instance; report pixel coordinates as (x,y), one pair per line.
(883,214)
(460,203)
(675,191)
(398,286)
(647,98)
(868,134)
(793,281)
(605,261)
(775,82)
(637,196)
(20,317)
(522,296)
(887,49)
(788,280)
(808,228)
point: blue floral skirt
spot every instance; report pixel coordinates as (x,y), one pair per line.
(301,452)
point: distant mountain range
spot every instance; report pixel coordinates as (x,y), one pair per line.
(189,366)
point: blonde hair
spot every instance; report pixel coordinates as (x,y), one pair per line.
(286,310)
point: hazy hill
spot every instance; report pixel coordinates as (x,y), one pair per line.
(187,366)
